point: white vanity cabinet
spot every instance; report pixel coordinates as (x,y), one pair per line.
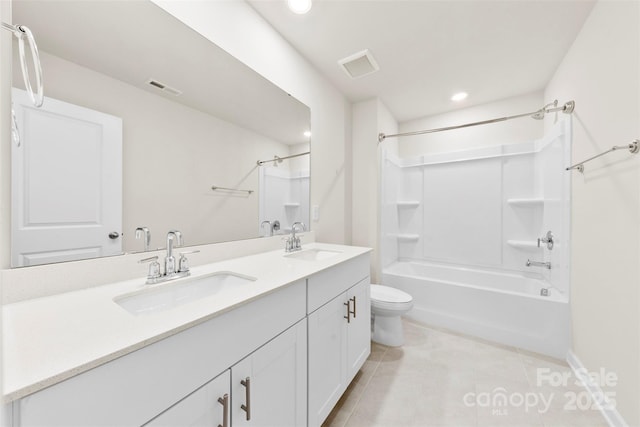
(207,406)
(267,388)
(281,358)
(136,388)
(339,333)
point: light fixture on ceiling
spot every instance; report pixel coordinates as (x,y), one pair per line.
(299,6)
(459,96)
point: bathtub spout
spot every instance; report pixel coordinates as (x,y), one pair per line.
(538,264)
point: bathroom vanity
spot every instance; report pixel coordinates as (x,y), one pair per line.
(277,343)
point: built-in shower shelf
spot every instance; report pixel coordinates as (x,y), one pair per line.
(292,205)
(406,237)
(523,244)
(526,202)
(408,203)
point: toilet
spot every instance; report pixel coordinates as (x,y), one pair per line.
(387,305)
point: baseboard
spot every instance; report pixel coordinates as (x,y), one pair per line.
(610,414)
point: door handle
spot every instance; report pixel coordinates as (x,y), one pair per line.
(348,316)
(247,408)
(224,401)
(354,306)
(114,235)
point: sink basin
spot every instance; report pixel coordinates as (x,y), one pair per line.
(313,254)
(169,295)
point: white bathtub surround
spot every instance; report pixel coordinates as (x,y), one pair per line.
(44,347)
(284,196)
(459,227)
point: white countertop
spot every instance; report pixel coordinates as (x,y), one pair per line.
(50,339)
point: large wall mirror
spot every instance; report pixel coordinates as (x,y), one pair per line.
(142,118)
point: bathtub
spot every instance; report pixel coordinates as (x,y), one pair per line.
(504,307)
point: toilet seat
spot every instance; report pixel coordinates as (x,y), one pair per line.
(388,298)
(383,293)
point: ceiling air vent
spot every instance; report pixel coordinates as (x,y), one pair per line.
(163,87)
(359,64)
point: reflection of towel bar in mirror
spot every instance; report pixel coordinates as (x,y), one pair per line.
(216,188)
(280,159)
(21,32)
(632,147)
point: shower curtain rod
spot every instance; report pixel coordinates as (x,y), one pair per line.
(567,108)
(280,159)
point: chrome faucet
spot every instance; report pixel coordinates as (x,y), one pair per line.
(546,265)
(155,275)
(170,260)
(292,244)
(144,232)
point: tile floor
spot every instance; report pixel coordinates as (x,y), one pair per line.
(440,378)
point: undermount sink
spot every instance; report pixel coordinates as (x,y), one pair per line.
(313,254)
(157,298)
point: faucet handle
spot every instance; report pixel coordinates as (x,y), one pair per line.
(183,262)
(154,267)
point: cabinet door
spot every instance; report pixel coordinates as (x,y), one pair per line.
(327,362)
(208,406)
(359,329)
(269,387)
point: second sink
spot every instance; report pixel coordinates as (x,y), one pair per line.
(171,295)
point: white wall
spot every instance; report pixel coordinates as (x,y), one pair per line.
(368,118)
(508,132)
(237,28)
(162,140)
(601,72)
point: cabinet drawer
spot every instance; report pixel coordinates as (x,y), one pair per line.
(135,388)
(322,287)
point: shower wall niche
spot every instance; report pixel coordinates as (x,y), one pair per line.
(481,208)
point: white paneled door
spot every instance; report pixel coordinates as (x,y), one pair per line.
(66,183)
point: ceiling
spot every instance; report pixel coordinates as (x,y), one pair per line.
(429,50)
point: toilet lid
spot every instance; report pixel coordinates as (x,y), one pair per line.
(387,294)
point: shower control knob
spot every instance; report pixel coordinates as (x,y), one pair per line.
(548,240)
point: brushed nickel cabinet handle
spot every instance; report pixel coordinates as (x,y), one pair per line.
(247,408)
(224,401)
(348,316)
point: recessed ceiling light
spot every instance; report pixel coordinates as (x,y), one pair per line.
(307,133)
(459,96)
(299,6)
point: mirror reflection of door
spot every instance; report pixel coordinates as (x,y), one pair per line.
(66,178)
